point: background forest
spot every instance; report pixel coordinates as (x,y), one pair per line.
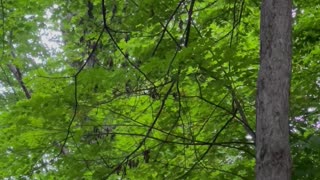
(145,89)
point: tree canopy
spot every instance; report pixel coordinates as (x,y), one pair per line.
(148,89)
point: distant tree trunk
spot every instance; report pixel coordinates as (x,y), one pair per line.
(18,75)
(273,160)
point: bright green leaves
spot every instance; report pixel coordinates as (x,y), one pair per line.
(137,94)
(144,106)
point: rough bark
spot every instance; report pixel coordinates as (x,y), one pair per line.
(273,160)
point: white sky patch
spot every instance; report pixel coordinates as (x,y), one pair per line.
(312,109)
(4,89)
(299,119)
(294,12)
(51,36)
(52,40)
(248,137)
(318,80)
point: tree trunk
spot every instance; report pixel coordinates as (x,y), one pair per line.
(18,75)
(273,160)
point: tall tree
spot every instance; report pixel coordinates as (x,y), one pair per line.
(149,89)
(272,143)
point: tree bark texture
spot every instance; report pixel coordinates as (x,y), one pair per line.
(273,161)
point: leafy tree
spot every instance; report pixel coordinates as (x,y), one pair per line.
(143,89)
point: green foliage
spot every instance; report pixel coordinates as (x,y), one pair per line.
(131,99)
